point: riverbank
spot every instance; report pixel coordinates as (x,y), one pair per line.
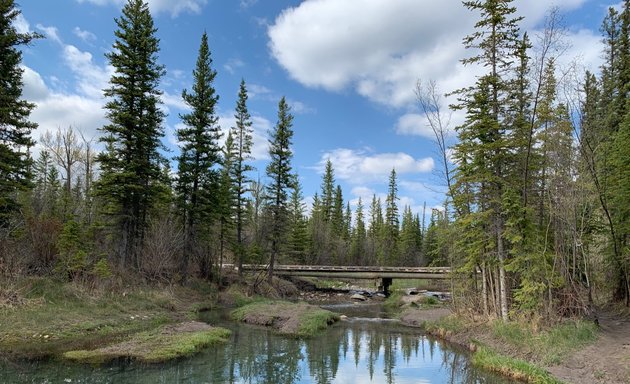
(575,351)
(293,319)
(45,318)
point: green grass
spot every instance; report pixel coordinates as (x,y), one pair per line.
(393,302)
(452,323)
(57,317)
(514,368)
(547,346)
(153,346)
(313,322)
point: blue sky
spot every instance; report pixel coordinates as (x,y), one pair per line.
(347,67)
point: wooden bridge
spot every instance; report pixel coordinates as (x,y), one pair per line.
(386,274)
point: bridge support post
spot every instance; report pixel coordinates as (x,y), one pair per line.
(385,283)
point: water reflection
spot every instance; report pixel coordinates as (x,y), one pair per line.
(350,352)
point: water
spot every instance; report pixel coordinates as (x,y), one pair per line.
(362,350)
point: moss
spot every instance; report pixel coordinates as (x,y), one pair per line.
(154,346)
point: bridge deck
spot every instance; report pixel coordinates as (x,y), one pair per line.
(356,272)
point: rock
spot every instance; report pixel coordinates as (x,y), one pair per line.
(358,297)
(343,318)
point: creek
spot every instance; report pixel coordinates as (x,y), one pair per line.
(366,348)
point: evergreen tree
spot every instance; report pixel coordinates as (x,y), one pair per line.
(328,191)
(336,217)
(197,184)
(298,238)
(280,179)
(130,166)
(242,133)
(15,128)
(226,197)
(359,235)
(392,222)
(484,150)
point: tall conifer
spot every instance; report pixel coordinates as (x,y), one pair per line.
(130,165)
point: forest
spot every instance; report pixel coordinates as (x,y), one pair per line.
(535,222)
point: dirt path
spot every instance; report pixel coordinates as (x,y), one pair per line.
(606,361)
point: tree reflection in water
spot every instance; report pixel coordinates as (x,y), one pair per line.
(349,352)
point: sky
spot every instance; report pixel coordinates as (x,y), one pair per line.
(348,69)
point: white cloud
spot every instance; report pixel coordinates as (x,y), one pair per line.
(91,78)
(361,166)
(414,124)
(174,7)
(84,35)
(233,65)
(323,44)
(21,24)
(51,33)
(260,138)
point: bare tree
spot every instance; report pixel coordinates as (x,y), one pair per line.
(66,150)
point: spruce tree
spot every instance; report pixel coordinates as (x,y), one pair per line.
(392,222)
(242,134)
(328,191)
(281,180)
(15,127)
(298,238)
(484,150)
(200,153)
(130,166)
(359,235)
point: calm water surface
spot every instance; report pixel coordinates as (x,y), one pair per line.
(364,350)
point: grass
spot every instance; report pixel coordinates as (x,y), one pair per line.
(295,319)
(516,369)
(548,346)
(153,346)
(56,317)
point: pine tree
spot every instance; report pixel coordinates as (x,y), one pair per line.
(336,217)
(226,198)
(359,235)
(298,238)
(392,222)
(328,191)
(484,151)
(130,166)
(280,179)
(198,178)
(15,128)
(242,133)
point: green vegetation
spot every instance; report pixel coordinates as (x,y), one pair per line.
(157,345)
(296,319)
(513,368)
(50,317)
(547,346)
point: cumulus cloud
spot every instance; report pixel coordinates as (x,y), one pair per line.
(361,166)
(174,7)
(50,32)
(84,35)
(323,44)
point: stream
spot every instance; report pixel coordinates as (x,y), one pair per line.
(364,349)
